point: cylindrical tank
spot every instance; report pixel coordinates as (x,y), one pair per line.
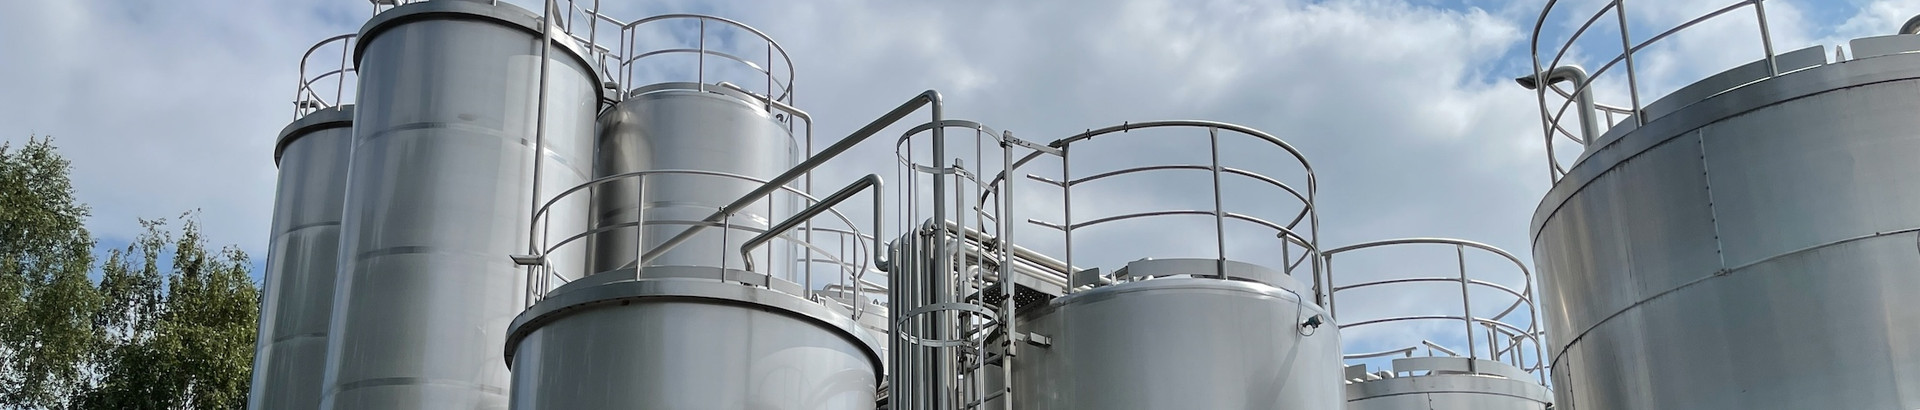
(680,340)
(679,126)
(1437,383)
(689,330)
(313,154)
(439,195)
(1754,249)
(1180,343)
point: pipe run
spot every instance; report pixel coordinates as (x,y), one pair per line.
(827,204)
(1582,95)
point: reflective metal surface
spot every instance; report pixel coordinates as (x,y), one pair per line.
(681,343)
(676,126)
(438,197)
(1754,250)
(302,257)
(1445,384)
(1179,343)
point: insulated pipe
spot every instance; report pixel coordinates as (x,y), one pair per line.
(1583,96)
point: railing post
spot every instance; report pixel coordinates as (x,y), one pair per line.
(1766,37)
(1633,81)
(1219,209)
(1466,305)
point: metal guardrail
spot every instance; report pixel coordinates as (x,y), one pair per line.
(330,85)
(1299,234)
(775,68)
(1504,341)
(1544,79)
(852,263)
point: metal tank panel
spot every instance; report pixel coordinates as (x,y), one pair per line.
(438,197)
(609,341)
(1749,251)
(679,126)
(313,154)
(1180,343)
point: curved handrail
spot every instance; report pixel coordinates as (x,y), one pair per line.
(1291,233)
(1551,117)
(852,266)
(1522,295)
(306,99)
(777,88)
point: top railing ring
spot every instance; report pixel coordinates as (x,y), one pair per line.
(1548,73)
(312,92)
(777,87)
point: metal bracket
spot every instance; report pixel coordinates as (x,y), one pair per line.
(1035,339)
(1087,277)
(529,260)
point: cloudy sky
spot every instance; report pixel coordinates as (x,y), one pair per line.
(1406,108)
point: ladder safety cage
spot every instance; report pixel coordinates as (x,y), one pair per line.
(955,266)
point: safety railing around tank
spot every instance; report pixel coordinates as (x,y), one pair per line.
(1503,337)
(1298,234)
(1548,73)
(645,40)
(850,264)
(331,83)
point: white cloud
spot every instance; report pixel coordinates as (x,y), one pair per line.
(1405,108)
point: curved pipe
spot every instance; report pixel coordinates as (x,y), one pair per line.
(825,205)
(1589,126)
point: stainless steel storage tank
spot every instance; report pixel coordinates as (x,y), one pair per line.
(1746,242)
(438,197)
(1494,362)
(302,264)
(1180,343)
(692,328)
(1201,331)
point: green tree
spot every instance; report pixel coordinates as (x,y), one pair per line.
(47,303)
(187,347)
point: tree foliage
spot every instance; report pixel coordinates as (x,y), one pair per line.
(47,332)
(138,338)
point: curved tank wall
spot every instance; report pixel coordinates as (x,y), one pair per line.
(1752,250)
(611,342)
(313,154)
(1179,343)
(676,126)
(439,195)
(1447,383)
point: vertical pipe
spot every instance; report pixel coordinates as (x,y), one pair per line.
(1066,194)
(700,73)
(1008,309)
(943,262)
(340,83)
(1633,80)
(1219,211)
(639,222)
(1766,37)
(540,127)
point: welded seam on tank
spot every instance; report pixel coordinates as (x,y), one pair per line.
(1580,176)
(412,381)
(1723,272)
(427,250)
(282,339)
(1713,213)
(472,129)
(297,228)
